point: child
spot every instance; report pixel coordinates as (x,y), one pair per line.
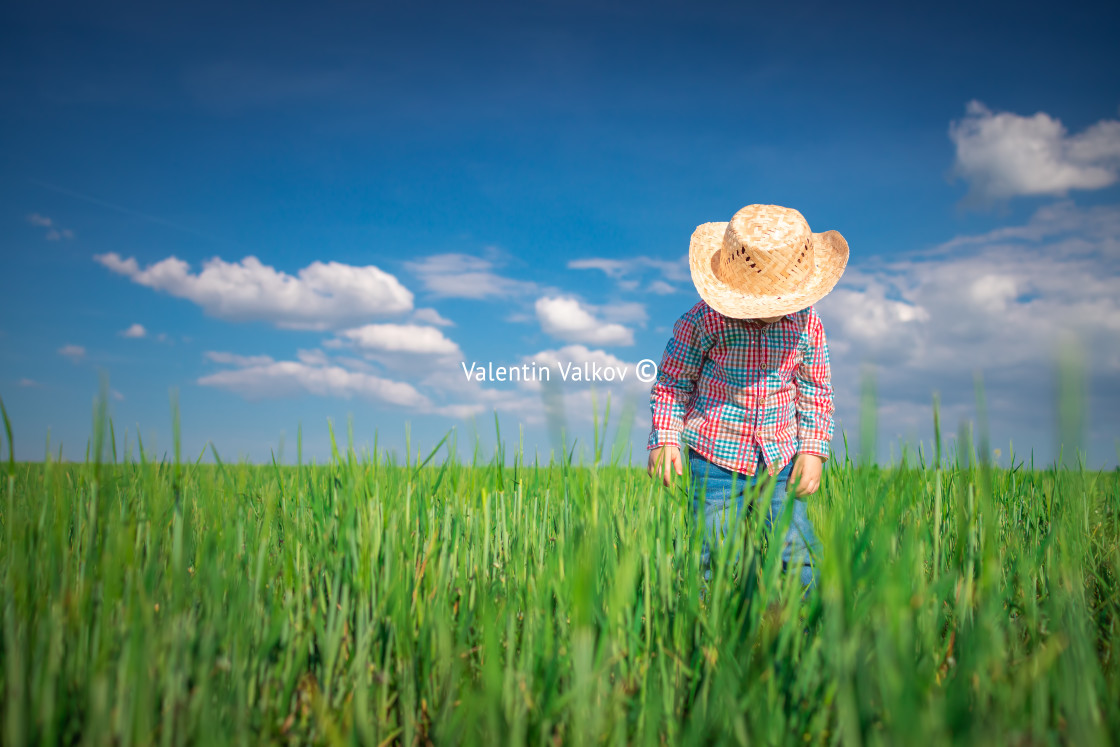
(745,380)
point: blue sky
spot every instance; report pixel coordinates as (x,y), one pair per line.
(294,214)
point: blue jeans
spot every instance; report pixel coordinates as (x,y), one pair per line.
(712,490)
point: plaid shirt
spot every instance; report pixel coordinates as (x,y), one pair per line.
(738,389)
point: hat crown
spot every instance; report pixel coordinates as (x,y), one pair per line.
(766,245)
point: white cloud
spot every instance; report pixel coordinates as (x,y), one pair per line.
(525,398)
(581,354)
(259,377)
(232,359)
(54,231)
(357,364)
(993,293)
(1003,155)
(867,320)
(440,387)
(999,303)
(73,352)
(664,275)
(575,403)
(400,338)
(431,316)
(136,330)
(567,319)
(1056,219)
(614,268)
(117,395)
(624,313)
(465,397)
(29,383)
(455,275)
(321,296)
(312,357)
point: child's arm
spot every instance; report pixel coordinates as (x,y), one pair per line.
(675,385)
(814,393)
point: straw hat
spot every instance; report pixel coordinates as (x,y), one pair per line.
(764,262)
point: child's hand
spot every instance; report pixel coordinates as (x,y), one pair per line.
(663,460)
(807,473)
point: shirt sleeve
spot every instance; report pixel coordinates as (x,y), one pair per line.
(814,392)
(675,384)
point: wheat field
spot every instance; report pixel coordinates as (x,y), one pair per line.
(503,599)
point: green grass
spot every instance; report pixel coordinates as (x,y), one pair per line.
(365,602)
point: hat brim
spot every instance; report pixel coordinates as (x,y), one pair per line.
(830,257)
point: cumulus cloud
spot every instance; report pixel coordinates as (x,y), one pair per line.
(998,303)
(312,357)
(400,338)
(869,321)
(568,319)
(259,377)
(454,275)
(135,331)
(54,231)
(440,387)
(321,296)
(578,355)
(73,352)
(540,401)
(1004,155)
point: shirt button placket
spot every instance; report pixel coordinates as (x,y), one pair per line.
(765,393)
(760,410)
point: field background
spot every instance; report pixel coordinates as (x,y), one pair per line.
(469,598)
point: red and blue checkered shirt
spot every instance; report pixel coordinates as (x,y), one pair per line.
(738,389)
